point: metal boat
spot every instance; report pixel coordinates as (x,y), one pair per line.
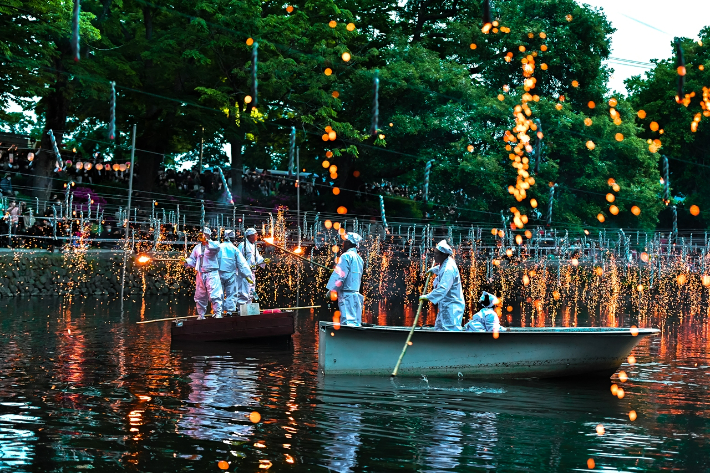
(265,325)
(515,353)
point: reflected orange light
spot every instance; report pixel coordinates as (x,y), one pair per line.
(600,429)
(634,330)
(298,250)
(255,417)
(632,415)
(269,240)
(620,393)
(143,259)
(623,377)
(631,359)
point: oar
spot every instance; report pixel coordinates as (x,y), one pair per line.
(193,316)
(297,255)
(409,337)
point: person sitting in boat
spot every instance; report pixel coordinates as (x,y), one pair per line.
(208,287)
(447,292)
(345,282)
(486,319)
(251,254)
(233,268)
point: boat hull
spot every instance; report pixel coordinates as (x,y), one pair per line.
(235,328)
(518,353)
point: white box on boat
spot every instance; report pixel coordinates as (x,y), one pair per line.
(249,309)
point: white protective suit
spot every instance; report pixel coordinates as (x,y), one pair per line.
(208,287)
(345,281)
(253,258)
(486,319)
(233,269)
(448,295)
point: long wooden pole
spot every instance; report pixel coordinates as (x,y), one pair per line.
(409,337)
(298,256)
(193,316)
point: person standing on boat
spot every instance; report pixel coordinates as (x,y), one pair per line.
(233,268)
(345,282)
(486,319)
(447,292)
(253,258)
(208,287)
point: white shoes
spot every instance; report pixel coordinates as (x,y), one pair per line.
(218,316)
(200,317)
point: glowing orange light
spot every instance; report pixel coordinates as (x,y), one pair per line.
(472,46)
(289,9)
(326,164)
(250,41)
(575,83)
(706,280)
(600,429)
(332,23)
(639,288)
(620,393)
(590,145)
(247,99)
(681,279)
(590,462)
(556,295)
(598,271)
(223,465)
(610,197)
(333,296)
(632,416)
(335,94)
(336,225)
(509,252)
(623,377)
(255,417)
(634,330)
(328,71)
(342,210)
(336,190)
(681,70)
(615,187)
(346,56)
(350,27)
(328,224)
(619,137)
(269,240)
(591,104)
(613,209)
(641,114)
(496,334)
(694,210)
(519,239)
(654,126)
(635,210)
(601,217)
(613,102)
(332,135)
(528,234)
(631,359)
(575,262)
(335,248)
(356,173)
(568,17)
(614,388)
(143,259)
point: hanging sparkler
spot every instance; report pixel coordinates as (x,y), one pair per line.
(292,151)
(550,204)
(427,171)
(75,29)
(680,69)
(112,112)
(382,210)
(375,103)
(254,61)
(226,187)
(666,183)
(675,223)
(202,214)
(58,156)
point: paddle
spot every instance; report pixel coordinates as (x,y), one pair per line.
(296,255)
(409,337)
(193,316)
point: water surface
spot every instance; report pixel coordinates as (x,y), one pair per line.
(83,387)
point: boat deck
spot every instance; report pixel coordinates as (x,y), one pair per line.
(273,325)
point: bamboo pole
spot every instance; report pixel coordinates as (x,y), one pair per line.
(194,316)
(409,337)
(297,256)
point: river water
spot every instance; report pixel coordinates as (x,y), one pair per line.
(82,387)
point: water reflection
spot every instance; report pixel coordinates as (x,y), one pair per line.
(82,386)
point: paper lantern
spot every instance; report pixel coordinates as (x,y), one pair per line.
(122,167)
(99,166)
(115,167)
(30,157)
(79,165)
(88,166)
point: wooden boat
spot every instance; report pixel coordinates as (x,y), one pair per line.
(516,353)
(264,325)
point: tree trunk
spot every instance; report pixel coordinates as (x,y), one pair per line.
(56,106)
(236,142)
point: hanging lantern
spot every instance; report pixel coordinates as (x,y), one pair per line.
(79,165)
(115,167)
(99,166)
(122,167)
(30,157)
(87,166)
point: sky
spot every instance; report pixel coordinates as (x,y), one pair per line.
(638,42)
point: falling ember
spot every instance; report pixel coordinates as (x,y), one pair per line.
(590,462)
(635,210)
(631,359)
(623,377)
(632,416)
(255,417)
(620,393)
(614,388)
(610,197)
(223,465)
(591,145)
(600,429)
(694,210)
(601,217)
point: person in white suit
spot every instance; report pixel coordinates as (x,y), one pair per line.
(233,268)
(345,282)
(208,287)
(447,292)
(486,319)
(251,254)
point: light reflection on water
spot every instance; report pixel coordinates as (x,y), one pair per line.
(83,387)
